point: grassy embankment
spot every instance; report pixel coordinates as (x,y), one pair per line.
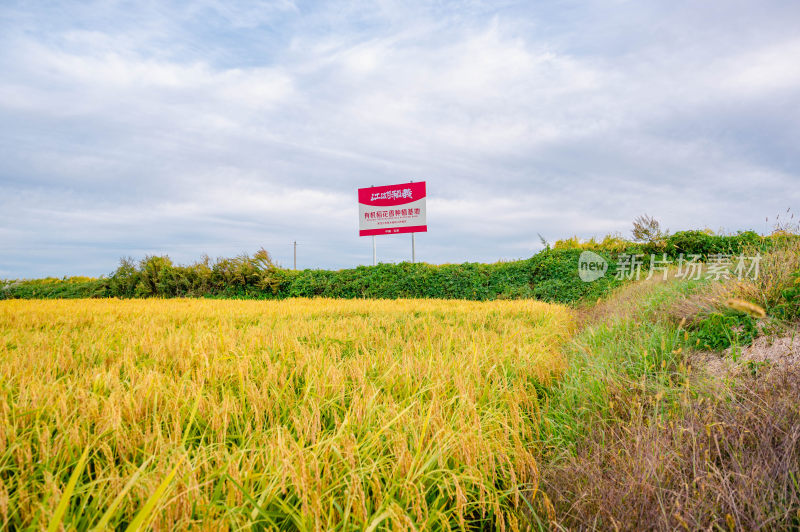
(640,434)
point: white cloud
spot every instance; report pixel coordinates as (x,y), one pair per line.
(772,68)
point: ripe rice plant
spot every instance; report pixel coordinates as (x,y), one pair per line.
(296,414)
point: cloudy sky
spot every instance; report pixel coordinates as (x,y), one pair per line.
(218,127)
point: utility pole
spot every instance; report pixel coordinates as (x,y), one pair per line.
(374,251)
(295,254)
(413,244)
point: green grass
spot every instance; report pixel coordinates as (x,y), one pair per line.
(632,360)
(634,437)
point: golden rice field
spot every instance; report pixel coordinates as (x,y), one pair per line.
(297,414)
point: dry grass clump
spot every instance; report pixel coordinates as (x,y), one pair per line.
(699,304)
(299,414)
(728,463)
(776,272)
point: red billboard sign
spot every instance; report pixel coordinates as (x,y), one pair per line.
(392,209)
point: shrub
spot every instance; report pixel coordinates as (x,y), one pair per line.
(789,306)
(613,243)
(156,277)
(124,280)
(704,244)
(721,330)
(51,288)
(647,230)
(777,275)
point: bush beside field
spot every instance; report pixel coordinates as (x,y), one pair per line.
(694,242)
(550,275)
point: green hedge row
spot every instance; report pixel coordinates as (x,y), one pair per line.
(550,275)
(701,243)
(687,242)
(50,288)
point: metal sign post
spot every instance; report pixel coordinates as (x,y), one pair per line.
(374,252)
(413,249)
